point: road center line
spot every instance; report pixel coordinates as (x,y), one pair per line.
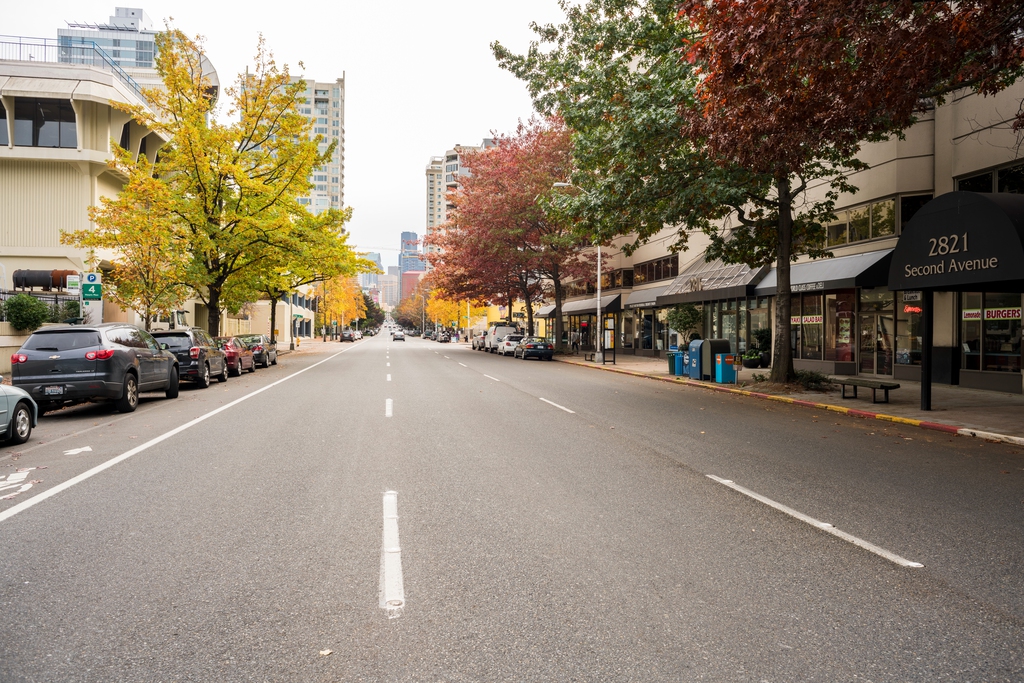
(63,486)
(389,365)
(494,378)
(558,406)
(824,526)
(388,407)
(392,590)
(389,377)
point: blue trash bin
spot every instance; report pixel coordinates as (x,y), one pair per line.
(680,369)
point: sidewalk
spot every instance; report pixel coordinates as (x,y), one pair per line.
(969,412)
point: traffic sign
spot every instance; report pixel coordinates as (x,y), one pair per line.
(94,278)
(92,292)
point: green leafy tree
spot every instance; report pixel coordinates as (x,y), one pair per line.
(613,72)
(233,187)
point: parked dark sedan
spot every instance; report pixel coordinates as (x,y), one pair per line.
(238,353)
(534,347)
(199,358)
(264,351)
(64,365)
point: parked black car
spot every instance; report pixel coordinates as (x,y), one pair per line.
(347,335)
(60,366)
(264,351)
(199,357)
(535,347)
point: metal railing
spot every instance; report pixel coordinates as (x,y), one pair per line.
(46,50)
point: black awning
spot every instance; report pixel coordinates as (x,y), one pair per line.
(545,312)
(844,272)
(711,281)
(644,298)
(609,304)
(962,241)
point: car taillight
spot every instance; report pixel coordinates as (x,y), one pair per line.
(102,354)
(18,358)
(193,353)
(258,348)
(550,346)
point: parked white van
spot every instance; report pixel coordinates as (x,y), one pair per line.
(495,333)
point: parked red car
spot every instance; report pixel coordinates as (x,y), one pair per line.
(238,354)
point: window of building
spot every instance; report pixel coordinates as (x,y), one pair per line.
(4,140)
(910,205)
(658,269)
(1011,179)
(908,328)
(44,123)
(837,232)
(977,183)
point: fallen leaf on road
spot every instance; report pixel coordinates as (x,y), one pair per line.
(702,432)
(324,653)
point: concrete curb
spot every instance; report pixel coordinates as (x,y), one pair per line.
(865,414)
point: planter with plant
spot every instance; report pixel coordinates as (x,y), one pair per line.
(752,359)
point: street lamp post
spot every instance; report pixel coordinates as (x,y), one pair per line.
(599,352)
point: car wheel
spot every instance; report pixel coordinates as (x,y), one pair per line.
(172,384)
(129,400)
(266,361)
(223,376)
(252,367)
(237,371)
(274,362)
(204,379)
(21,424)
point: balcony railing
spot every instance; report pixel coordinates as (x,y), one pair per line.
(45,50)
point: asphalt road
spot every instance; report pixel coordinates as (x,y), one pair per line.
(554,523)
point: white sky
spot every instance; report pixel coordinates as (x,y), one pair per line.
(420,78)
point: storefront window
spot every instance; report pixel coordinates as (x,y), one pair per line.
(794,325)
(839,322)
(661,329)
(812,321)
(1001,332)
(626,330)
(741,333)
(877,299)
(647,330)
(908,328)
(970,330)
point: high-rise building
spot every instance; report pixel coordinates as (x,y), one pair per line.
(394,270)
(442,180)
(411,258)
(370,280)
(325,108)
(388,289)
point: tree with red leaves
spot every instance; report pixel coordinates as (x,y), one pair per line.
(504,238)
(786,87)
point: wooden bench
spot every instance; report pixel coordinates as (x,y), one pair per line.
(589,357)
(873,384)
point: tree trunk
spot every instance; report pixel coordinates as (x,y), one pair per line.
(782,353)
(213,312)
(273,317)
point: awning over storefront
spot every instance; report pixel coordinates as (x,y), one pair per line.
(544,311)
(962,241)
(860,270)
(710,281)
(644,298)
(610,304)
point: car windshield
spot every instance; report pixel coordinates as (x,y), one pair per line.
(62,340)
(175,341)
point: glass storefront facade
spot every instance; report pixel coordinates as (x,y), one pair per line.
(990,331)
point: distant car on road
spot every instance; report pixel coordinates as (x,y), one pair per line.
(199,357)
(507,344)
(264,351)
(398,336)
(18,414)
(70,364)
(347,336)
(535,347)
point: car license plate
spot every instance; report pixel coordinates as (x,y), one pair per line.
(53,391)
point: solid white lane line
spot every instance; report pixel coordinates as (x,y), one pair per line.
(389,377)
(824,526)
(462,364)
(558,406)
(494,378)
(447,357)
(388,407)
(63,486)
(392,590)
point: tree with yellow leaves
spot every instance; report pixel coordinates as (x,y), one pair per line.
(342,299)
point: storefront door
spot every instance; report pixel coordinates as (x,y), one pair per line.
(876,344)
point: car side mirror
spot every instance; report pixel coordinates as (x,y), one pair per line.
(164,347)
